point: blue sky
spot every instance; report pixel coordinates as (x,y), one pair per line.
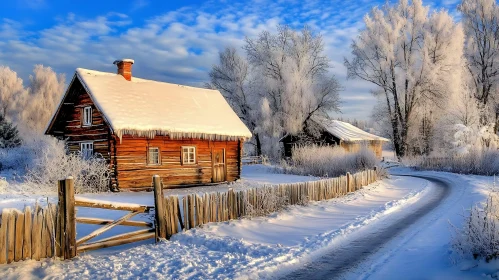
(174,41)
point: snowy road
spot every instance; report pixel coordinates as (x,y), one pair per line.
(333,264)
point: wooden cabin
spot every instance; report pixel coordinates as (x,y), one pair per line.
(333,132)
(187,135)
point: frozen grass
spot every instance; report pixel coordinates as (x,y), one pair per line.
(479,237)
(479,162)
(326,161)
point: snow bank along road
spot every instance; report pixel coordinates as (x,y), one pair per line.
(333,264)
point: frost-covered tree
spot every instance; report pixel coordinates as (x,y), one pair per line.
(280,85)
(413,57)
(481,26)
(41,98)
(11,89)
(293,79)
(9,135)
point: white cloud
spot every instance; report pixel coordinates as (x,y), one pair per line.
(180,46)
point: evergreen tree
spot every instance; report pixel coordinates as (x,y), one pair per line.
(9,135)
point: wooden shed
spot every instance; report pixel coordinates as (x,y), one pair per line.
(186,135)
(333,132)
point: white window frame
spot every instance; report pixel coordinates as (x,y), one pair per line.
(189,155)
(87,149)
(87,116)
(149,158)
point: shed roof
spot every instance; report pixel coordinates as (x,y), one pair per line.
(147,108)
(347,132)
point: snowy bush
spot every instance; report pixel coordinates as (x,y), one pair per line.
(479,237)
(326,161)
(269,201)
(40,162)
(52,163)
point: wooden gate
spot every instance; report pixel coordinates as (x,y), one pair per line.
(66,234)
(218,160)
(83,243)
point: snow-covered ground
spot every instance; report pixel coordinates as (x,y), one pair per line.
(275,245)
(424,250)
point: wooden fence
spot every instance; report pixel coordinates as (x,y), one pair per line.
(28,234)
(220,207)
(51,231)
(249,160)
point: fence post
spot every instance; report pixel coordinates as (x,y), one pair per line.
(159,209)
(67,219)
(349,182)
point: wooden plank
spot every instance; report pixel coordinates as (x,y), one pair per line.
(27,233)
(112,243)
(70,219)
(186,212)
(121,236)
(206,199)
(36,234)
(49,225)
(44,234)
(110,206)
(18,252)
(3,235)
(105,228)
(192,223)
(96,221)
(179,215)
(59,248)
(159,209)
(11,232)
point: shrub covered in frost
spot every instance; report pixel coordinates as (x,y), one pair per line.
(479,237)
(327,161)
(52,163)
(41,162)
(476,161)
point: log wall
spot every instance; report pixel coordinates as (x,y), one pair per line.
(134,172)
(68,124)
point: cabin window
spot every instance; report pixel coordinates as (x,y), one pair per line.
(87,116)
(153,156)
(188,155)
(87,150)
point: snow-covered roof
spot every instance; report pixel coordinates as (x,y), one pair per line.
(347,132)
(148,108)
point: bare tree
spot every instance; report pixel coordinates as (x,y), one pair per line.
(233,78)
(410,57)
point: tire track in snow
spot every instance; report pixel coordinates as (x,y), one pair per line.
(334,263)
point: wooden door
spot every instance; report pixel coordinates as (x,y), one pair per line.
(218,160)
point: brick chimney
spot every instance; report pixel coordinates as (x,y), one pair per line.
(125,67)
